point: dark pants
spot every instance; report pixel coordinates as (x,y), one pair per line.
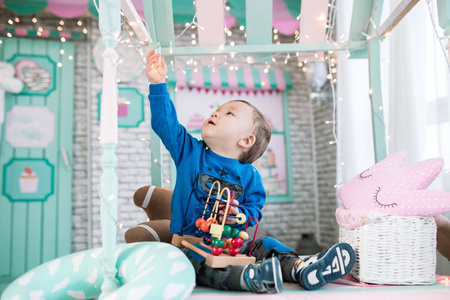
(229,278)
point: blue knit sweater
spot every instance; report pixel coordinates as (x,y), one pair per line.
(198,167)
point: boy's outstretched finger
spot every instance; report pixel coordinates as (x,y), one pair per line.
(150,54)
(152,61)
(163,62)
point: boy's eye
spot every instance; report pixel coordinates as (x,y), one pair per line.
(230,113)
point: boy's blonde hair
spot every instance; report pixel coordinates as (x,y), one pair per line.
(262,132)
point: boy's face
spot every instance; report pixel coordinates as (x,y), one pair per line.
(227,125)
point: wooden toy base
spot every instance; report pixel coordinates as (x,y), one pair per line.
(212,260)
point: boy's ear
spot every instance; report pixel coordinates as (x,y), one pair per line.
(247,142)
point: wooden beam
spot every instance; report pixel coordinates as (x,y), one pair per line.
(264,49)
(135,21)
(258,14)
(395,17)
(362,11)
(375,94)
(159,19)
(444,15)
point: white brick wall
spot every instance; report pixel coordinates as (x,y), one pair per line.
(326,171)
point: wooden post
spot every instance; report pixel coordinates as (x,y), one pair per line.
(444,18)
(109,24)
(258,14)
(378,126)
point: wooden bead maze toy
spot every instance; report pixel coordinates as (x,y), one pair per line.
(220,242)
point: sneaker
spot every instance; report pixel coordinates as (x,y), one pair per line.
(264,276)
(331,264)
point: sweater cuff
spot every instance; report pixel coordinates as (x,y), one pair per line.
(158,89)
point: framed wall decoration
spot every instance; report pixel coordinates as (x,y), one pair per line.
(37,73)
(130,107)
(30,126)
(28,179)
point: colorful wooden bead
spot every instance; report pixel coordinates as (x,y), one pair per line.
(216,250)
(241,218)
(225,243)
(243,235)
(199,222)
(218,243)
(204,226)
(226,230)
(233,251)
(236,242)
(235,232)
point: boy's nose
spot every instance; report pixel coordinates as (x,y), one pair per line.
(215,114)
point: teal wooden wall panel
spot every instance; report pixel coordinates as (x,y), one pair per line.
(37,231)
(34,229)
(7,209)
(50,216)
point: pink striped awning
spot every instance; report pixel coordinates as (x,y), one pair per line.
(223,77)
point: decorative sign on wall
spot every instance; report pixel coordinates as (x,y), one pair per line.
(131,107)
(37,73)
(28,179)
(30,127)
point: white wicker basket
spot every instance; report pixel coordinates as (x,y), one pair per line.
(394,250)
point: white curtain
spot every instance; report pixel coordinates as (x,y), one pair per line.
(418,100)
(416,94)
(355,145)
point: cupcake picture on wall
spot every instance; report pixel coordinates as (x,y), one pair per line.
(28,181)
(122,111)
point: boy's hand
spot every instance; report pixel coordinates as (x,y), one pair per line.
(155,70)
(233,210)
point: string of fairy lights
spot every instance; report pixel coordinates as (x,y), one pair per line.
(191,63)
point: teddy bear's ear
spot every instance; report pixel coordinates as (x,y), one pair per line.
(396,160)
(420,175)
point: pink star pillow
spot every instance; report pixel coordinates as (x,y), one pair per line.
(390,188)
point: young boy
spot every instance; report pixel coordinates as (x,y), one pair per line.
(234,136)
